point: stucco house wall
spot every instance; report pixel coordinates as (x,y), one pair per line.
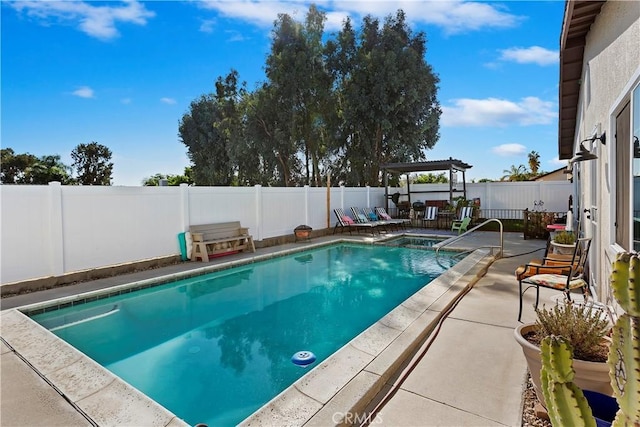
(610,73)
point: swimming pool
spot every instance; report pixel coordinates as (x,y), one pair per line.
(214,349)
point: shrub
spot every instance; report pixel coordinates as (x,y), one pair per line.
(565,238)
(583,326)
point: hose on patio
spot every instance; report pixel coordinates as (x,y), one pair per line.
(423,349)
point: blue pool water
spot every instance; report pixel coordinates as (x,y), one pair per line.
(213,349)
(414,241)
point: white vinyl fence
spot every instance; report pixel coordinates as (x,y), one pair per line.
(51,230)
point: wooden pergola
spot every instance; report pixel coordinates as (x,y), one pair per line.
(451,165)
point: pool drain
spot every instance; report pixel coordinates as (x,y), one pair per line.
(303,358)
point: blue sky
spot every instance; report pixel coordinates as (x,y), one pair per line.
(124,73)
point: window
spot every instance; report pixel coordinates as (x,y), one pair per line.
(635,150)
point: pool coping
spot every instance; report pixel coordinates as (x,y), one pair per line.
(343,383)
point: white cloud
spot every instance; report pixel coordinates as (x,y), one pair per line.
(530,55)
(207,25)
(83,92)
(96,21)
(455,16)
(126,101)
(505,150)
(235,36)
(498,112)
(556,162)
(169,101)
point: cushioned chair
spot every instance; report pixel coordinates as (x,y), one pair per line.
(466,212)
(536,265)
(382,214)
(430,215)
(345,221)
(373,216)
(553,273)
(461,225)
(361,218)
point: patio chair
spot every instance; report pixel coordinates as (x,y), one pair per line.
(536,265)
(466,212)
(382,213)
(560,275)
(461,225)
(430,215)
(372,216)
(345,221)
(360,218)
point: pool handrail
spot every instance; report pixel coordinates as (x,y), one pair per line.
(438,246)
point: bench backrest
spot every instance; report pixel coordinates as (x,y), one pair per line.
(219,230)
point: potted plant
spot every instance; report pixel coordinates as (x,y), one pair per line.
(585,327)
(564,242)
(567,403)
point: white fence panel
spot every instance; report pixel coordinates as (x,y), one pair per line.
(26,228)
(281,208)
(208,205)
(106,226)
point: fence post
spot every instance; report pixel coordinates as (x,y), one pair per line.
(185,214)
(258,210)
(306,204)
(56,231)
(342,196)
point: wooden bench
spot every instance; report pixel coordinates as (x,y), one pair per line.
(219,239)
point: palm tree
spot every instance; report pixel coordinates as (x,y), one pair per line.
(516,173)
(534,162)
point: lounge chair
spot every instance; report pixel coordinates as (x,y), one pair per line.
(360,217)
(345,221)
(375,218)
(430,215)
(560,275)
(382,213)
(461,225)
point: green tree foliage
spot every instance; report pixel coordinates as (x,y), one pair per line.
(92,164)
(28,169)
(172,180)
(534,162)
(515,173)
(342,105)
(388,97)
(430,178)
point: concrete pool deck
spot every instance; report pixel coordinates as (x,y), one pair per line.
(460,380)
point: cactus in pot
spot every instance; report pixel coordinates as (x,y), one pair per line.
(565,402)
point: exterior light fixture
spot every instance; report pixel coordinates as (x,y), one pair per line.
(584,154)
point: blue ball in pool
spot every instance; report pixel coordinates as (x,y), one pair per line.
(303,358)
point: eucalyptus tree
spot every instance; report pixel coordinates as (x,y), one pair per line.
(389,97)
(269,155)
(92,163)
(205,147)
(300,85)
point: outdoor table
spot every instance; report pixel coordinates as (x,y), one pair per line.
(445,219)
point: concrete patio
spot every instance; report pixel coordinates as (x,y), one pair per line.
(473,374)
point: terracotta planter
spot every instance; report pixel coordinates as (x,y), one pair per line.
(592,376)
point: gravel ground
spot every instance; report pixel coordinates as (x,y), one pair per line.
(529,418)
